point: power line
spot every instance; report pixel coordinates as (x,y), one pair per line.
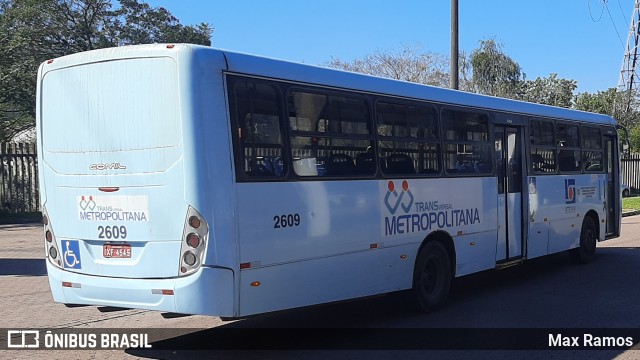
(622,13)
(614,24)
(591,14)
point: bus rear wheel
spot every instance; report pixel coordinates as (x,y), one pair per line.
(586,252)
(432,276)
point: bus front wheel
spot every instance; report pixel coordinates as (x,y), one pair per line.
(586,252)
(432,276)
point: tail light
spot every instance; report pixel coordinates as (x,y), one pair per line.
(50,244)
(194,242)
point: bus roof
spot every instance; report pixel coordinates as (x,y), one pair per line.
(296,72)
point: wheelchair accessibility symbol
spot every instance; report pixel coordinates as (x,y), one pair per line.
(71,255)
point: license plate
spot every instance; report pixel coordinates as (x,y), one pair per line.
(116,251)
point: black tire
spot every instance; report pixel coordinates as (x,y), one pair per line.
(586,252)
(432,277)
(625,193)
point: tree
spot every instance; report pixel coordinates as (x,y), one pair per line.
(611,102)
(408,64)
(495,73)
(622,105)
(549,91)
(33,31)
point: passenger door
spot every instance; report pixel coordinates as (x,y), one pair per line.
(508,146)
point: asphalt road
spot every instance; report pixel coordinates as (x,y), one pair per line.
(546,293)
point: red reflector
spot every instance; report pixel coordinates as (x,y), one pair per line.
(109,189)
(162,291)
(245,266)
(373,246)
(66,284)
(170,46)
(49,61)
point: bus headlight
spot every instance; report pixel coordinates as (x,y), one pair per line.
(194,242)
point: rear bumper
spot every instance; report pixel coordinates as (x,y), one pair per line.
(209,291)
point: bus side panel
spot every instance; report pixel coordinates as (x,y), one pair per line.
(558,205)
(346,238)
(323,280)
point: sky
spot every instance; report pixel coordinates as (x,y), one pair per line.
(583,40)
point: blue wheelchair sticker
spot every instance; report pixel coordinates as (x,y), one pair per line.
(71,254)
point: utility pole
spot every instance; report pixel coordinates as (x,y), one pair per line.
(453,82)
(628,78)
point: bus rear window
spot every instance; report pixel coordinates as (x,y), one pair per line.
(112,106)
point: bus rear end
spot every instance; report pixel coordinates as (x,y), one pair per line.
(121,226)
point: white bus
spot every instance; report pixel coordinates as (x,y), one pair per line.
(192,180)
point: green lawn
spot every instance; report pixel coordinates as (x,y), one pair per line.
(631,203)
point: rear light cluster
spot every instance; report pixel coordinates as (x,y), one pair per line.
(194,242)
(50,243)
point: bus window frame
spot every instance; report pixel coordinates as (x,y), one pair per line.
(552,148)
(438,141)
(231,81)
(490,143)
(328,92)
(559,148)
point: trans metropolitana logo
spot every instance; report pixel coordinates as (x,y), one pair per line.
(411,211)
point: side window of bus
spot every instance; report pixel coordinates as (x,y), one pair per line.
(467,149)
(568,143)
(543,147)
(330,135)
(592,150)
(408,139)
(258,113)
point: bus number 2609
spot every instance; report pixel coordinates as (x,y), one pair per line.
(112,232)
(287,220)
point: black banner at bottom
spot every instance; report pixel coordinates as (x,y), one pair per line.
(234,338)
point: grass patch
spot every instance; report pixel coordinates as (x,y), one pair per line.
(631,203)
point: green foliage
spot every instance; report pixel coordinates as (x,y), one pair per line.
(33,31)
(495,73)
(549,91)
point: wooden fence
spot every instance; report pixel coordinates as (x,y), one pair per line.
(19,192)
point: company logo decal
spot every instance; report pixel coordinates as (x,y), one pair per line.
(113,208)
(87,204)
(392,200)
(410,210)
(570,191)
